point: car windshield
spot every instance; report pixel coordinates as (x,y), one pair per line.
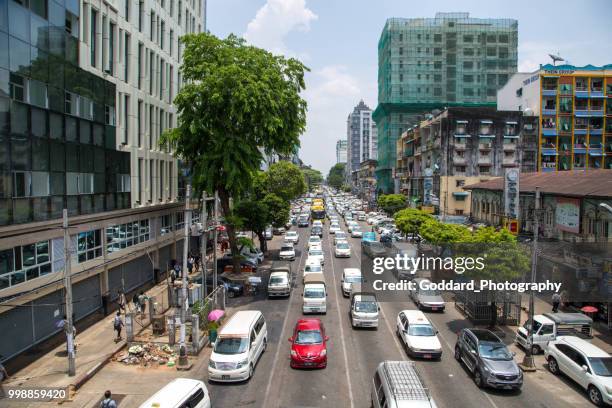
(314,293)
(313,268)
(366,307)
(286,248)
(601,366)
(421,330)
(308,337)
(429,292)
(536,326)
(494,351)
(314,239)
(352,279)
(291,234)
(277,279)
(231,345)
(316,252)
(342,245)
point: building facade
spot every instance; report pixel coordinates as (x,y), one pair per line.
(361,136)
(430,63)
(86,92)
(575,115)
(461,146)
(364,182)
(341,151)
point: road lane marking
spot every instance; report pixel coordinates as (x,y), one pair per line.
(348,377)
(281,337)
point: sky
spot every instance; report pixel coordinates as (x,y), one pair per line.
(338,41)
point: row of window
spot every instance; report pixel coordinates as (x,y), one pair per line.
(467,38)
(158,171)
(501,52)
(24,263)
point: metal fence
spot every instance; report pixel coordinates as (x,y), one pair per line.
(476,306)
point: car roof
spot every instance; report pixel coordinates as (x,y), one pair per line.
(239,324)
(173,393)
(279,273)
(352,271)
(364,297)
(485,335)
(308,324)
(586,347)
(416,316)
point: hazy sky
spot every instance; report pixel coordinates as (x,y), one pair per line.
(338,39)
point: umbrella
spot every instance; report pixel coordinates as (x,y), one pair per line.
(221,228)
(215,315)
(589,309)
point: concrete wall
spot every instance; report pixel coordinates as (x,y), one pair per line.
(529,84)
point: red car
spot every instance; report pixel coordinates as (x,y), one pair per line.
(309,344)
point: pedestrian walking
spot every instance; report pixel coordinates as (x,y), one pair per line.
(121,300)
(142,300)
(172,276)
(117,325)
(136,302)
(556,300)
(108,401)
(190,264)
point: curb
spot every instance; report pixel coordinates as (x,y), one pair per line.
(96,368)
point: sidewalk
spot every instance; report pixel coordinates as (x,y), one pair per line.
(95,346)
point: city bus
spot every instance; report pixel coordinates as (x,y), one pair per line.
(317,211)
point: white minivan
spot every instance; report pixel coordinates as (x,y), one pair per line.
(239,345)
(179,393)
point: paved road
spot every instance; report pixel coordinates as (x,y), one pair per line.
(354,354)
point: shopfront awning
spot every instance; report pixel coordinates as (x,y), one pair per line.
(460,193)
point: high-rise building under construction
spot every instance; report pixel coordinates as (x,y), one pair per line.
(431,63)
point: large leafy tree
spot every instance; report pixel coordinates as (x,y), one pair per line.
(283,179)
(391,203)
(238,102)
(313,178)
(335,178)
(409,220)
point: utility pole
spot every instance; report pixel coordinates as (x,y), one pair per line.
(184,300)
(203,244)
(68,327)
(528,363)
(216,235)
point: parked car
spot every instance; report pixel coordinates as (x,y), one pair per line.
(342,250)
(287,252)
(488,359)
(369,236)
(253,252)
(278,231)
(418,335)
(373,249)
(308,344)
(232,288)
(244,264)
(426,298)
(268,233)
(584,363)
(316,230)
(548,326)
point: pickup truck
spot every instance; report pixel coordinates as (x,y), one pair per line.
(548,326)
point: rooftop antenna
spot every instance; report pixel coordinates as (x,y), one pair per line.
(556,57)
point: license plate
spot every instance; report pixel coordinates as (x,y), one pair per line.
(427,356)
(507,387)
(309,364)
(434,308)
(225,377)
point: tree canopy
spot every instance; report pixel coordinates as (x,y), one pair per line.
(238,101)
(391,203)
(284,179)
(409,220)
(335,178)
(313,177)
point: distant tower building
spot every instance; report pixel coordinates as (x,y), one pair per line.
(361,136)
(341,147)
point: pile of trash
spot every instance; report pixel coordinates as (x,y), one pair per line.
(148,354)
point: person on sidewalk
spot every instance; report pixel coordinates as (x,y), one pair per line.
(142,300)
(117,325)
(556,300)
(172,276)
(136,302)
(121,300)
(108,402)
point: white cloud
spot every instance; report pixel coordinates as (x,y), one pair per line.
(332,93)
(275,20)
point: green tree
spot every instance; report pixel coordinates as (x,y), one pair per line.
(238,101)
(442,235)
(278,210)
(391,203)
(409,220)
(284,179)
(313,177)
(335,178)
(253,215)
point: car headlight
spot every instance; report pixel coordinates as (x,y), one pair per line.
(323,353)
(293,353)
(242,363)
(609,390)
(211,364)
(486,369)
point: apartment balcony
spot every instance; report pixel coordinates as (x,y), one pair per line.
(581,93)
(417,151)
(580,131)
(549,92)
(510,162)
(458,160)
(549,111)
(580,148)
(587,113)
(484,160)
(485,146)
(459,145)
(549,166)
(595,131)
(549,150)
(549,131)
(597,93)
(509,147)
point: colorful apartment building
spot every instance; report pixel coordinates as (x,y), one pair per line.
(574,106)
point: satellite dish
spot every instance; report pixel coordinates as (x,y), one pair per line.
(556,57)
(527,112)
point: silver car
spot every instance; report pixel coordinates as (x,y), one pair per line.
(426,298)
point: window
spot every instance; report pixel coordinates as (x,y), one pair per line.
(126,118)
(437,37)
(171,41)
(111,49)
(126,57)
(162,35)
(23,263)
(437,64)
(437,51)
(152,32)
(92,37)
(123,236)
(460,183)
(89,245)
(141,12)
(491,51)
(166,223)
(126,11)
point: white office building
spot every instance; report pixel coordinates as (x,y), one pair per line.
(361,136)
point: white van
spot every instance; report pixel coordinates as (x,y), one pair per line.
(179,393)
(350,276)
(239,345)
(315,294)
